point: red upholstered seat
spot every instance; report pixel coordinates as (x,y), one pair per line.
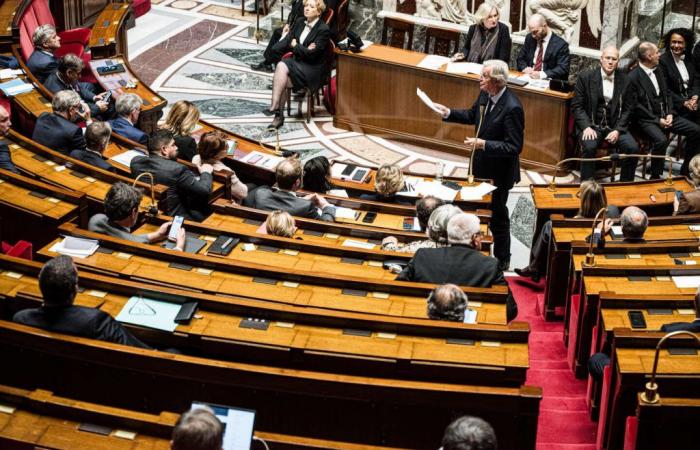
(22,249)
(140,7)
(631,433)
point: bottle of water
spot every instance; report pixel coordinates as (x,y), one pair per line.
(439,168)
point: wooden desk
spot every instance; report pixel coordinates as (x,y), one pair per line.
(671,423)
(377,95)
(8,9)
(108,36)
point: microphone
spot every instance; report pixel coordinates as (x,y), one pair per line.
(153,208)
(470,176)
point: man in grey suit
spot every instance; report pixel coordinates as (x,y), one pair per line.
(283,196)
(187,194)
(57,130)
(58,282)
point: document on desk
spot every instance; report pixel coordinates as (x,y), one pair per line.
(436,189)
(433,62)
(150,313)
(425,99)
(476,192)
(464,67)
(410,184)
(691,281)
(75,247)
(126,157)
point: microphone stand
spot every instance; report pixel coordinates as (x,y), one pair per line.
(470,176)
(153,209)
(590,256)
(650,394)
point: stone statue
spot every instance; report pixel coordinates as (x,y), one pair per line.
(562,15)
(429,9)
(449,10)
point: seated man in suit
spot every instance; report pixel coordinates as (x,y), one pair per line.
(633,221)
(679,71)
(66,78)
(187,194)
(653,111)
(544,54)
(602,115)
(447,302)
(96,141)
(121,213)
(128,108)
(198,429)
(42,62)
(57,130)
(424,210)
(58,281)
(5,155)
(461,263)
(283,196)
(469,432)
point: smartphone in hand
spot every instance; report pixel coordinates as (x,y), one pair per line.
(175,228)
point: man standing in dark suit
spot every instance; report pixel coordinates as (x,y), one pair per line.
(128,108)
(57,130)
(601,115)
(461,263)
(284,198)
(543,54)
(96,140)
(5,155)
(653,111)
(42,62)
(500,122)
(187,195)
(66,78)
(58,281)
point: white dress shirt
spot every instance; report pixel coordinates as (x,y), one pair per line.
(545,42)
(680,65)
(652,77)
(608,86)
(307,30)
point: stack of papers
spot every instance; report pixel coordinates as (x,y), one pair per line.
(339,193)
(150,313)
(464,67)
(15,87)
(476,192)
(345,213)
(436,189)
(262,160)
(433,62)
(6,74)
(358,244)
(75,247)
(126,157)
(410,186)
(686,281)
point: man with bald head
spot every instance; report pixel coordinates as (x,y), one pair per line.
(601,114)
(447,302)
(544,54)
(5,155)
(653,111)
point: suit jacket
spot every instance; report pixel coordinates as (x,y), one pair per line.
(99,223)
(92,158)
(272,199)
(503,43)
(503,130)
(58,133)
(6,158)
(78,321)
(556,59)
(642,96)
(675,82)
(689,203)
(313,63)
(123,127)
(588,90)
(42,64)
(186,195)
(693,326)
(54,84)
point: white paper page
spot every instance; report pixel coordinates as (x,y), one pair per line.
(436,189)
(410,187)
(686,281)
(339,193)
(337,169)
(75,247)
(358,244)
(150,313)
(126,157)
(464,67)
(425,99)
(345,213)
(10,73)
(433,62)
(476,192)
(469,316)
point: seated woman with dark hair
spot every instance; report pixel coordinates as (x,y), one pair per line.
(308,40)
(317,175)
(593,199)
(212,149)
(387,182)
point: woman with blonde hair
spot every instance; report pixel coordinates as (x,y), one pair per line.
(487,38)
(689,202)
(212,149)
(593,199)
(387,182)
(182,119)
(280,223)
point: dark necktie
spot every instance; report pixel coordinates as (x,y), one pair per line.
(538,60)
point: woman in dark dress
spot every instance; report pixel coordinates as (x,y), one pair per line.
(308,39)
(487,38)
(182,119)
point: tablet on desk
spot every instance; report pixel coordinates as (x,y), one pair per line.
(238,424)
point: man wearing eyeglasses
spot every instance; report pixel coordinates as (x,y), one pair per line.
(58,130)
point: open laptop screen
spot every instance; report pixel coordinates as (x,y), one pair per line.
(238,424)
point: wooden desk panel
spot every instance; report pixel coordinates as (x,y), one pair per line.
(108,36)
(377,94)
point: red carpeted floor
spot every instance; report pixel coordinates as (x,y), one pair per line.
(564,423)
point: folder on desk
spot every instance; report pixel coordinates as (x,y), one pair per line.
(15,87)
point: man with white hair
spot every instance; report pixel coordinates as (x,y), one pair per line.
(498,117)
(58,130)
(42,62)
(128,107)
(461,263)
(543,54)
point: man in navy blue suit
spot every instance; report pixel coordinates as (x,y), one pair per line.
(66,77)
(498,115)
(544,54)
(96,139)
(57,130)
(42,62)
(128,108)
(5,155)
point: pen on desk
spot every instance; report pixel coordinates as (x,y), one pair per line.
(226,243)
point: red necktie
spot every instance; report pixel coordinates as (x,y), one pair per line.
(538,59)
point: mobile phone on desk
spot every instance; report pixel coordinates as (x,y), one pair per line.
(360,175)
(678,194)
(348,169)
(369,217)
(175,228)
(637,319)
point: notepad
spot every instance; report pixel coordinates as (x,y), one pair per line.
(476,192)
(692,281)
(150,313)
(75,247)
(15,87)
(126,157)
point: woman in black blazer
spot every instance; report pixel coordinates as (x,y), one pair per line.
(684,87)
(487,38)
(308,39)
